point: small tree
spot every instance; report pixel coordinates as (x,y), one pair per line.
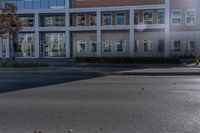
(10,24)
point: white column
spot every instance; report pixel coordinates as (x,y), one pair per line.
(131,34)
(99,35)
(167,28)
(67,33)
(37,36)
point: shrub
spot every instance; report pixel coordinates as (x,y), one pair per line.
(22,64)
(128,60)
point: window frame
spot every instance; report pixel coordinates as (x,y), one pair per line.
(148,11)
(116,19)
(158,17)
(174,17)
(111,22)
(187,16)
(84,19)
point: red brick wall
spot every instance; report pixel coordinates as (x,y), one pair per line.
(101,3)
(184,5)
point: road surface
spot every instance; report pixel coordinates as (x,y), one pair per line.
(112,104)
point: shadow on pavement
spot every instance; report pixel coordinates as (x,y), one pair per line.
(16,82)
(9,83)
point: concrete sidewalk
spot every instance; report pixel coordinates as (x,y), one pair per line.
(107,70)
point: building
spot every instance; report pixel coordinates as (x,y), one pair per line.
(106,28)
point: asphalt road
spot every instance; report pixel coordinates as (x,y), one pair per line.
(118,104)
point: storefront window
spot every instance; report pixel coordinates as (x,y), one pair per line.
(148,46)
(93,46)
(120,44)
(53,44)
(24,45)
(107,45)
(81,46)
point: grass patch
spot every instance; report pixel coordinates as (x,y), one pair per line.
(22,64)
(127,60)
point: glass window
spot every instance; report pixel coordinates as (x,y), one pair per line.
(81,46)
(107,19)
(176,47)
(190,46)
(107,45)
(52,4)
(80,20)
(24,45)
(36,4)
(93,19)
(28,4)
(20,4)
(136,46)
(93,46)
(191,17)
(44,4)
(120,17)
(53,44)
(161,17)
(27,21)
(58,20)
(161,45)
(60,4)
(120,44)
(176,17)
(136,18)
(148,46)
(148,17)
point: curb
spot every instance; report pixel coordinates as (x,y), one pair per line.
(102,73)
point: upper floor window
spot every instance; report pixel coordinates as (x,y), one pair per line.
(136,18)
(80,20)
(27,21)
(93,19)
(39,4)
(191,16)
(107,19)
(161,17)
(148,17)
(120,18)
(57,20)
(176,16)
